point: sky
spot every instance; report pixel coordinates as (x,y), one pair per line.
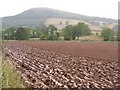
(97,8)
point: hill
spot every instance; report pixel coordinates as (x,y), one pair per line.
(36,17)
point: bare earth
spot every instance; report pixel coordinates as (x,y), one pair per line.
(65,64)
(100,50)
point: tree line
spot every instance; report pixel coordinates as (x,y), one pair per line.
(20,33)
(70,32)
(25,33)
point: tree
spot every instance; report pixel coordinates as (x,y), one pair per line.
(23,33)
(52,37)
(52,29)
(35,33)
(67,32)
(52,32)
(58,34)
(49,33)
(81,29)
(72,32)
(44,30)
(9,33)
(43,33)
(107,34)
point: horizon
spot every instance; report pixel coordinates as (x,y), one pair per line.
(93,8)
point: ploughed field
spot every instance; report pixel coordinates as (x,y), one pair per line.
(64,64)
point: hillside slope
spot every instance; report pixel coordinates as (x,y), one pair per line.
(35,17)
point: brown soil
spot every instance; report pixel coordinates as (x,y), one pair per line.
(64,64)
(100,50)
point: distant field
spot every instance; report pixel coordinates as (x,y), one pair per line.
(101,50)
(56,22)
(92,38)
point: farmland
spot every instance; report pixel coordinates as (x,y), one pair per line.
(45,64)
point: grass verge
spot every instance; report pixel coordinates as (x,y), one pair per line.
(10,78)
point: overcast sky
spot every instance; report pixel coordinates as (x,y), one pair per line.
(99,8)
